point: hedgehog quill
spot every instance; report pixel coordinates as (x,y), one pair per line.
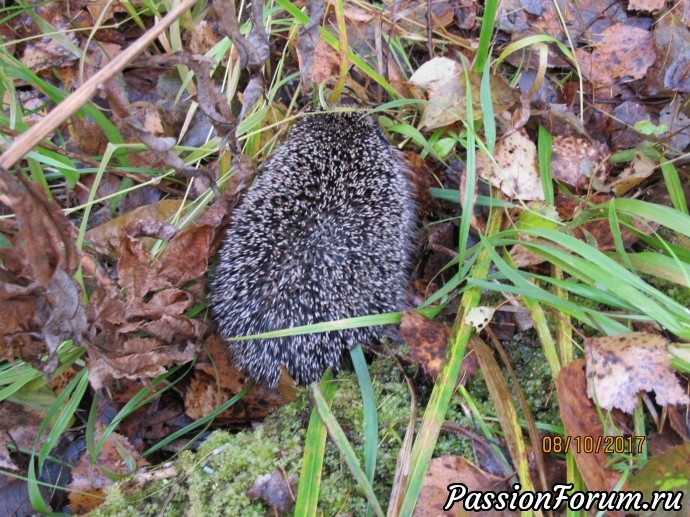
(324,233)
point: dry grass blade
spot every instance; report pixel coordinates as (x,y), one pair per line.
(82,95)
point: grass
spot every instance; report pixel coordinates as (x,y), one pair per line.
(580,289)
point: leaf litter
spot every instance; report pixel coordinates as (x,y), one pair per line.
(144,276)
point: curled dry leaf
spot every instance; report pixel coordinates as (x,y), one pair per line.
(619,367)
(277,491)
(139,358)
(639,170)
(105,238)
(40,295)
(517,174)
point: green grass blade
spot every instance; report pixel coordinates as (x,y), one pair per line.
(61,413)
(487,30)
(332,40)
(487,110)
(341,442)
(438,404)
(371,418)
(544,148)
(674,186)
(314,451)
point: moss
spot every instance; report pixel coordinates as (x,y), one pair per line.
(215,479)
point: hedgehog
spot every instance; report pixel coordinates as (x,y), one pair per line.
(324,233)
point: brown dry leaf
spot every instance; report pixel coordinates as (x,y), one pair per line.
(580,418)
(44,239)
(42,252)
(18,305)
(48,53)
(139,358)
(87,138)
(517,174)
(639,170)
(187,254)
(624,52)
(577,161)
(116,456)
(96,7)
(619,367)
(66,315)
(412,15)
(326,62)
(277,491)
(646,5)
(428,341)
(202,38)
(20,427)
(106,237)
(216,375)
(448,470)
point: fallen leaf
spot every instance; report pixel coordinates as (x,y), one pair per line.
(678,123)
(20,427)
(619,367)
(646,5)
(580,419)
(443,80)
(48,53)
(667,473)
(105,238)
(624,52)
(215,380)
(577,162)
(325,63)
(14,496)
(517,174)
(89,478)
(202,37)
(428,341)
(139,358)
(448,470)
(639,170)
(277,491)
(479,317)
(670,73)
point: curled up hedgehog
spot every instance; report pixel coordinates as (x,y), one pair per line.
(324,233)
